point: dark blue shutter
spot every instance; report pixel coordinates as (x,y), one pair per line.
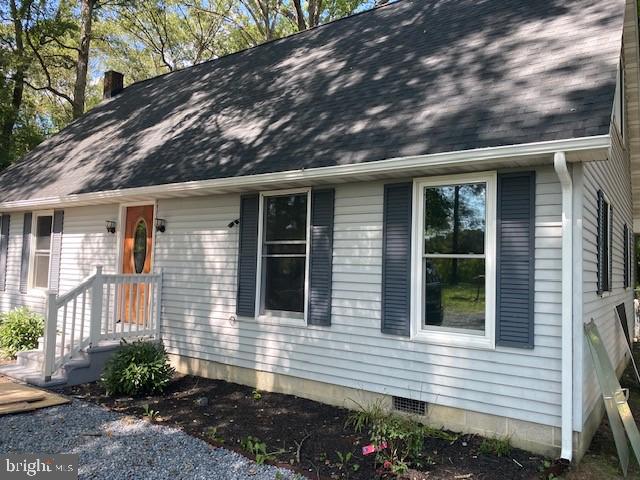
(247,255)
(608,248)
(625,254)
(4,248)
(396,259)
(515,239)
(26,252)
(321,257)
(56,250)
(603,264)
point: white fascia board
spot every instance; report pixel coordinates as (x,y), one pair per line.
(399,164)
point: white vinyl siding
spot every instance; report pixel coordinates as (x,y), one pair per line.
(198,253)
(199,256)
(86,244)
(614,179)
(12,297)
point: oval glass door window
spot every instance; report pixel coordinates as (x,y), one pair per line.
(140,246)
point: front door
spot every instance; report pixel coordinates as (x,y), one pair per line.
(136,259)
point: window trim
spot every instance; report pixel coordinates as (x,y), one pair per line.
(32,253)
(282,317)
(436,335)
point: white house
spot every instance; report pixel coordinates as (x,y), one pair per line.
(422,203)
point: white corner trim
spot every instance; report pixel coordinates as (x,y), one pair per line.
(398,164)
(560,164)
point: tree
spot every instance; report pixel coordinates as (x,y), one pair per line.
(149,38)
(13,59)
(87,8)
(311,13)
(53,52)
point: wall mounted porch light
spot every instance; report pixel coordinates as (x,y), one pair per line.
(111,226)
(161,225)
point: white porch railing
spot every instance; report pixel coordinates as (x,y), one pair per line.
(102,307)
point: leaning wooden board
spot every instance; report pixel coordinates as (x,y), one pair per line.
(16,398)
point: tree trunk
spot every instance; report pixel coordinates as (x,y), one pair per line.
(6,136)
(299,15)
(82,65)
(6,133)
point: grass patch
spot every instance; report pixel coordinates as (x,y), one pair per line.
(500,447)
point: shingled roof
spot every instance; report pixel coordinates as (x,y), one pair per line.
(410,78)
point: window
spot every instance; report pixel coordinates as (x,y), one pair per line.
(284,252)
(140,246)
(41,250)
(604,242)
(455,240)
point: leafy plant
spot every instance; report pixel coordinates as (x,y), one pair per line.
(212,434)
(259,450)
(256,395)
(20,330)
(500,447)
(137,368)
(345,464)
(149,413)
(399,440)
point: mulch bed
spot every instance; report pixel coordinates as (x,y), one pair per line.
(283,421)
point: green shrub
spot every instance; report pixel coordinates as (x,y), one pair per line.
(403,436)
(139,368)
(500,447)
(20,330)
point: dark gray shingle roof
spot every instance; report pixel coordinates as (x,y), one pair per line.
(414,77)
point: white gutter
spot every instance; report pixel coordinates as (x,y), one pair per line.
(393,165)
(560,164)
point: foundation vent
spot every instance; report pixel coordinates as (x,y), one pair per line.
(407,405)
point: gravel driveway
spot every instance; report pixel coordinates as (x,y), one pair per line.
(114,446)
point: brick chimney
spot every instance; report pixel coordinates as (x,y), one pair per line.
(113,84)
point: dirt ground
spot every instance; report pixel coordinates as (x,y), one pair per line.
(308,436)
(285,422)
(601,460)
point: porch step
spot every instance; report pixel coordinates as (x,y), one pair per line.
(86,366)
(32,376)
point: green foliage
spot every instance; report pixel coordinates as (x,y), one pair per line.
(20,330)
(403,436)
(345,464)
(256,395)
(259,450)
(212,434)
(149,413)
(500,447)
(138,368)
(41,41)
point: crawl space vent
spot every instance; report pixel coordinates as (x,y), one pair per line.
(407,405)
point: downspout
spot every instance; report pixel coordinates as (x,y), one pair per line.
(560,165)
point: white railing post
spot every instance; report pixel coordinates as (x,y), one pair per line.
(95,323)
(50,328)
(159,303)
